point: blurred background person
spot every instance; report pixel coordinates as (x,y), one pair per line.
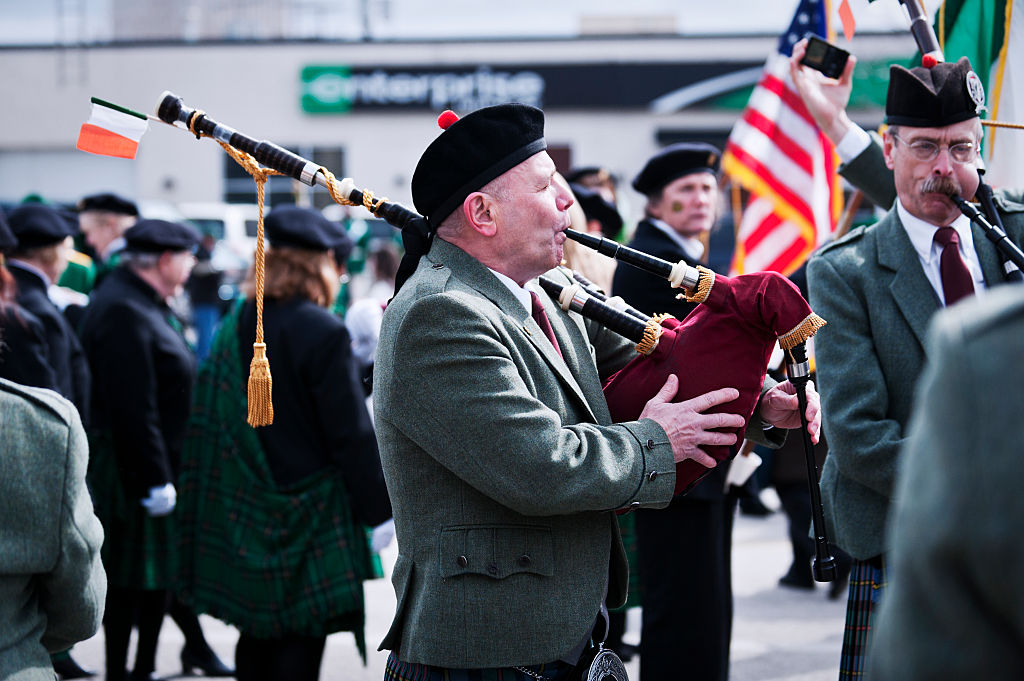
(684,551)
(36,263)
(144,373)
(303,487)
(52,583)
(23,349)
(203,288)
(103,219)
(593,214)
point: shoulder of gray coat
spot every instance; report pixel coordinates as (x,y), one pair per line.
(53,402)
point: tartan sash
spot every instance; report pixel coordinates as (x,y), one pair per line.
(269,561)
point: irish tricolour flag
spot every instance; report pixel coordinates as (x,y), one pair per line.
(112,130)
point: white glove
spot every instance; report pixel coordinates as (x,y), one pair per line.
(382,535)
(161,500)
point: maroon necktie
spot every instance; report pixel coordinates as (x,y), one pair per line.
(957,282)
(541,318)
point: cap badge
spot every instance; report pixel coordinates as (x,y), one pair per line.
(975,89)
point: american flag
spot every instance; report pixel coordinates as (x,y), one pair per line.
(788,166)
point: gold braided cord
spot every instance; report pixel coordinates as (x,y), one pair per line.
(659,318)
(260,387)
(652,333)
(703,289)
(1003,124)
(369,202)
(801,332)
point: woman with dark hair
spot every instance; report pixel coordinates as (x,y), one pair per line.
(274,538)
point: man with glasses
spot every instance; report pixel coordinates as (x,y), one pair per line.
(879,287)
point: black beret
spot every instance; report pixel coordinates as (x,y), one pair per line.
(596,207)
(37,224)
(110,203)
(673,162)
(471,152)
(943,95)
(299,227)
(157,236)
(7,240)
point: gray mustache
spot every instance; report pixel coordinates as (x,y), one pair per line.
(940,185)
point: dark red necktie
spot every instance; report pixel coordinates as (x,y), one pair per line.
(541,318)
(957,282)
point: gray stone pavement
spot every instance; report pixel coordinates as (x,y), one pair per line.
(779,634)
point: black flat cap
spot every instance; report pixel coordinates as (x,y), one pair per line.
(299,227)
(596,207)
(109,203)
(37,224)
(471,152)
(933,97)
(7,240)
(673,162)
(157,236)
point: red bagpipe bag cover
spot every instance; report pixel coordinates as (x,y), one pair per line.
(726,341)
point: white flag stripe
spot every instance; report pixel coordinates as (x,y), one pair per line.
(763,148)
(115,121)
(1008,145)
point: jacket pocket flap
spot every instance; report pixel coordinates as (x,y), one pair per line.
(496,551)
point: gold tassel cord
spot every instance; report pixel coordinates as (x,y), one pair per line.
(260,386)
(703,288)
(804,330)
(651,336)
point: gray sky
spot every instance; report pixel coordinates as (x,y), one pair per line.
(49,21)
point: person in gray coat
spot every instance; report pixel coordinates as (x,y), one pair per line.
(52,583)
(953,610)
(879,287)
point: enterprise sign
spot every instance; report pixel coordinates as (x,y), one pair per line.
(340,88)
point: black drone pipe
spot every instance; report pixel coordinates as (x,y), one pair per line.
(172,110)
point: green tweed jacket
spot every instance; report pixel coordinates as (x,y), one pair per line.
(953,608)
(503,468)
(871,288)
(52,584)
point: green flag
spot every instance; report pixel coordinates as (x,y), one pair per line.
(972,29)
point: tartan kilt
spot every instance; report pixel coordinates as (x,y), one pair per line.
(139,551)
(867,587)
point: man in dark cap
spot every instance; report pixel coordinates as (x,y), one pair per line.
(687,603)
(104,218)
(501,459)
(879,287)
(36,262)
(143,371)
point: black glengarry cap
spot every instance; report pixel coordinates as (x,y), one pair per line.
(157,236)
(37,224)
(297,227)
(108,203)
(673,162)
(935,97)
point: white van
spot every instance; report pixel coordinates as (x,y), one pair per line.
(233,224)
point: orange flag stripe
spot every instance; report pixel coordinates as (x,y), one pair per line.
(97,140)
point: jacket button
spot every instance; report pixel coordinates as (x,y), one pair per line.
(462,561)
(635,504)
(652,476)
(524,560)
(437,266)
(492,569)
(650,444)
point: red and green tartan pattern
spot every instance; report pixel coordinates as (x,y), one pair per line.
(867,585)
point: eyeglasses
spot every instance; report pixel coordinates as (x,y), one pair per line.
(927,150)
